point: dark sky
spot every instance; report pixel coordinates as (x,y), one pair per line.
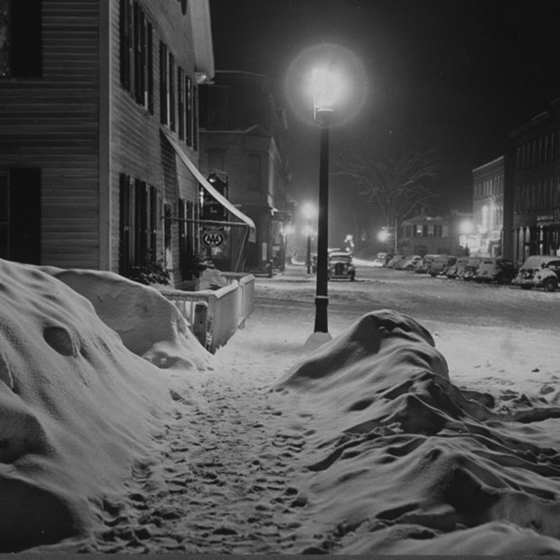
(454,75)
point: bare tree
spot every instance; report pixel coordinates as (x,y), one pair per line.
(397,182)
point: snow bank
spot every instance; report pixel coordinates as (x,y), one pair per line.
(400,461)
(149,325)
(76,406)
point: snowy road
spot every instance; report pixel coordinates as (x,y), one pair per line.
(492,336)
(423,297)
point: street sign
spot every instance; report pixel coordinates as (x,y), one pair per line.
(212,238)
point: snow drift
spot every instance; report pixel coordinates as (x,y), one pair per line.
(148,324)
(401,461)
(76,406)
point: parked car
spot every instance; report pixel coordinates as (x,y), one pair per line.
(497,270)
(382,259)
(423,266)
(539,271)
(341,266)
(441,264)
(456,271)
(408,263)
(394,261)
(471,267)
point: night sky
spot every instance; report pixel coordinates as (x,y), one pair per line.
(452,75)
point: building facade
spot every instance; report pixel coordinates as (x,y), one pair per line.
(493,209)
(99,136)
(242,140)
(536,197)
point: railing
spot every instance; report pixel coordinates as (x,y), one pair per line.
(215,315)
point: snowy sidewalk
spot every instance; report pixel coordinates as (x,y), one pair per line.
(219,478)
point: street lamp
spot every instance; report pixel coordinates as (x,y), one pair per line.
(308,213)
(325,87)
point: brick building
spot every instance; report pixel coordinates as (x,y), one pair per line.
(99,132)
(493,209)
(536,207)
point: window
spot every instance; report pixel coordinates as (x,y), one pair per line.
(136,54)
(138,223)
(181,102)
(195,118)
(189,109)
(171,92)
(21,39)
(184,5)
(20,215)
(163,84)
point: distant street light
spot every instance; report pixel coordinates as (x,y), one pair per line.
(326,87)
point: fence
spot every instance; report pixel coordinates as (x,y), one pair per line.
(215,315)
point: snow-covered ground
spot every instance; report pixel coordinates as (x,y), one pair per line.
(119,433)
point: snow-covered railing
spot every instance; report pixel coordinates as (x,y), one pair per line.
(246,293)
(215,315)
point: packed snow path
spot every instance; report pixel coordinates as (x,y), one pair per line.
(219,480)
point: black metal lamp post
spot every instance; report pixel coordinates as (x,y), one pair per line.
(324,94)
(321,296)
(308,213)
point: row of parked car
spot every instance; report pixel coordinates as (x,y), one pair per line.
(538,271)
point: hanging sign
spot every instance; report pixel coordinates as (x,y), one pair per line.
(212,238)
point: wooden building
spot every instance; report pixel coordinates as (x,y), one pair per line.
(99,132)
(242,140)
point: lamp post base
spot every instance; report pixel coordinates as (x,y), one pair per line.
(321,317)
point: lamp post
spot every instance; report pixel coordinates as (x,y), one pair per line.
(308,213)
(325,88)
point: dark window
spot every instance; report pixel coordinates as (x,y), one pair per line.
(189,109)
(181,101)
(195,118)
(138,223)
(127,224)
(163,84)
(125,42)
(183,251)
(137,56)
(171,90)
(136,53)
(184,5)
(21,39)
(20,215)
(150,66)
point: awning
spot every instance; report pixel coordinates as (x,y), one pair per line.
(209,188)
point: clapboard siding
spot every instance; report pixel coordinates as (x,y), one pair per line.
(62,124)
(52,123)
(137,145)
